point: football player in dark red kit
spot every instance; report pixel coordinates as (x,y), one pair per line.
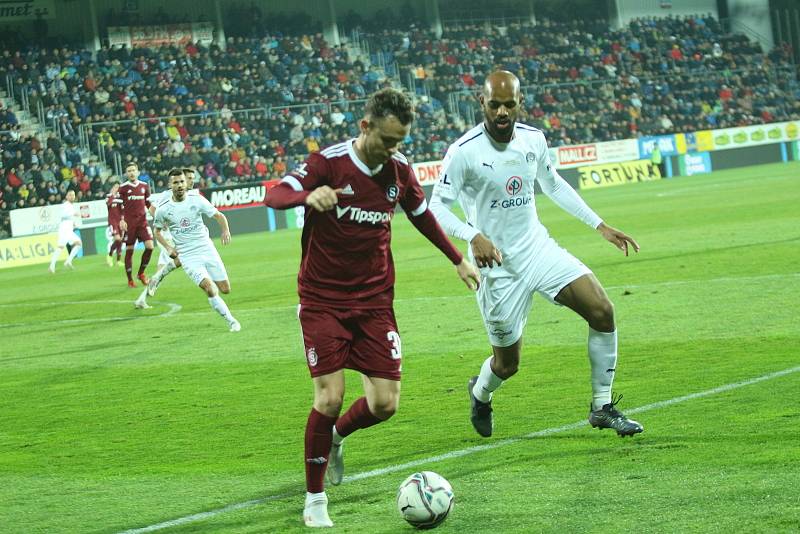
(346,280)
(135,195)
(113,233)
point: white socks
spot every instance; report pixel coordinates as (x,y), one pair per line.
(221,308)
(337,439)
(73,253)
(487,382)
(164,271)
(603,359)
(54,258)
(315,511)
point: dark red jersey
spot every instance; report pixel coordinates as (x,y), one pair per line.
(346,257)
(135,200)
(114,204)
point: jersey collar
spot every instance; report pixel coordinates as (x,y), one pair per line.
(360,164)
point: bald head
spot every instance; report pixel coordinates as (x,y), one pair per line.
(501,81)
(500,101)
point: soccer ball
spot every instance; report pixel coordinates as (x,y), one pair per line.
(424,499)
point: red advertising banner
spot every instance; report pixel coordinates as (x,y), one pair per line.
(569,155)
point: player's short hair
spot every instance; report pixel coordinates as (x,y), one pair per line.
(175,171)
(188,170)
(390,101)
(131,164)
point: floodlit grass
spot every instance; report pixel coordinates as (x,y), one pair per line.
(114,419)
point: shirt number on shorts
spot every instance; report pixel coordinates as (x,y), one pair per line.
(394,337)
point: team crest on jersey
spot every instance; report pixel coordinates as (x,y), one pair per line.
(391,192)
(514,185)
(311,354)
(530,157)
(185,222)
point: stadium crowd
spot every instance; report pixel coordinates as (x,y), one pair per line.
(253,110)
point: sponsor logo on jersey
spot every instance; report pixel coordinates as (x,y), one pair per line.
(363,216)
(530,157)
(514,202)
(185,222)
(311,355)
(514,185)
(490,165)
(348,190)
(135,197)
(392,192)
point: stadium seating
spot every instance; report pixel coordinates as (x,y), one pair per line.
(261,105)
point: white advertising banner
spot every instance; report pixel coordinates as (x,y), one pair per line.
(760,134)
(568,157)
(427,172)
(45,219)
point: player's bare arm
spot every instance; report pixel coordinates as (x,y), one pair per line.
(225,237)
(484,251)
(323,198)
(164,243)
(469,274)
(619,239)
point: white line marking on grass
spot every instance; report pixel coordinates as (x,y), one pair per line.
(173,309)
(462,452)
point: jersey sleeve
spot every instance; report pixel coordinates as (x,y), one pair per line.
(446,191)
(297,184)
(158,220)
(206,208)
(559,191)
(413,201)
(451,177)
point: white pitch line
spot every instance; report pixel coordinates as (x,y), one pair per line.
(462,452)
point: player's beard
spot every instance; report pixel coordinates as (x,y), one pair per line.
(501,135)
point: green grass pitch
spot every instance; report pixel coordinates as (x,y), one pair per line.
(114,419)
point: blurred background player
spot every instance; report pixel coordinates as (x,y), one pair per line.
(166,264)
(490,171)
(135,198)
(346,280)
(113,233)
(66,233)
(182,216)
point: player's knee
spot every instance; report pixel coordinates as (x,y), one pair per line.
(601,316)
(329,402)
(225,289)
(385,408)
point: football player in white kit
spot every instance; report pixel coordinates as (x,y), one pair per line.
(66,233)
(182,216)
(490,171)
(166,264)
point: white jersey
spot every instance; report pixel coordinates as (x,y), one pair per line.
(157,199)
(185,222)
(494,183)
(68,215)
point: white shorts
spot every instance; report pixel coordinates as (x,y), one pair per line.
(505,301)
(67,236)
(209,265)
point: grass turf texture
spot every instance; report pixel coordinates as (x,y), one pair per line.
(124,418)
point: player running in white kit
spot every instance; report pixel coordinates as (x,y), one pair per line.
(182,216)
(490,171)
(66,233)
(166,264)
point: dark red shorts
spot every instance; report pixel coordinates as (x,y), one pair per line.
(363,340)
(140,232)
